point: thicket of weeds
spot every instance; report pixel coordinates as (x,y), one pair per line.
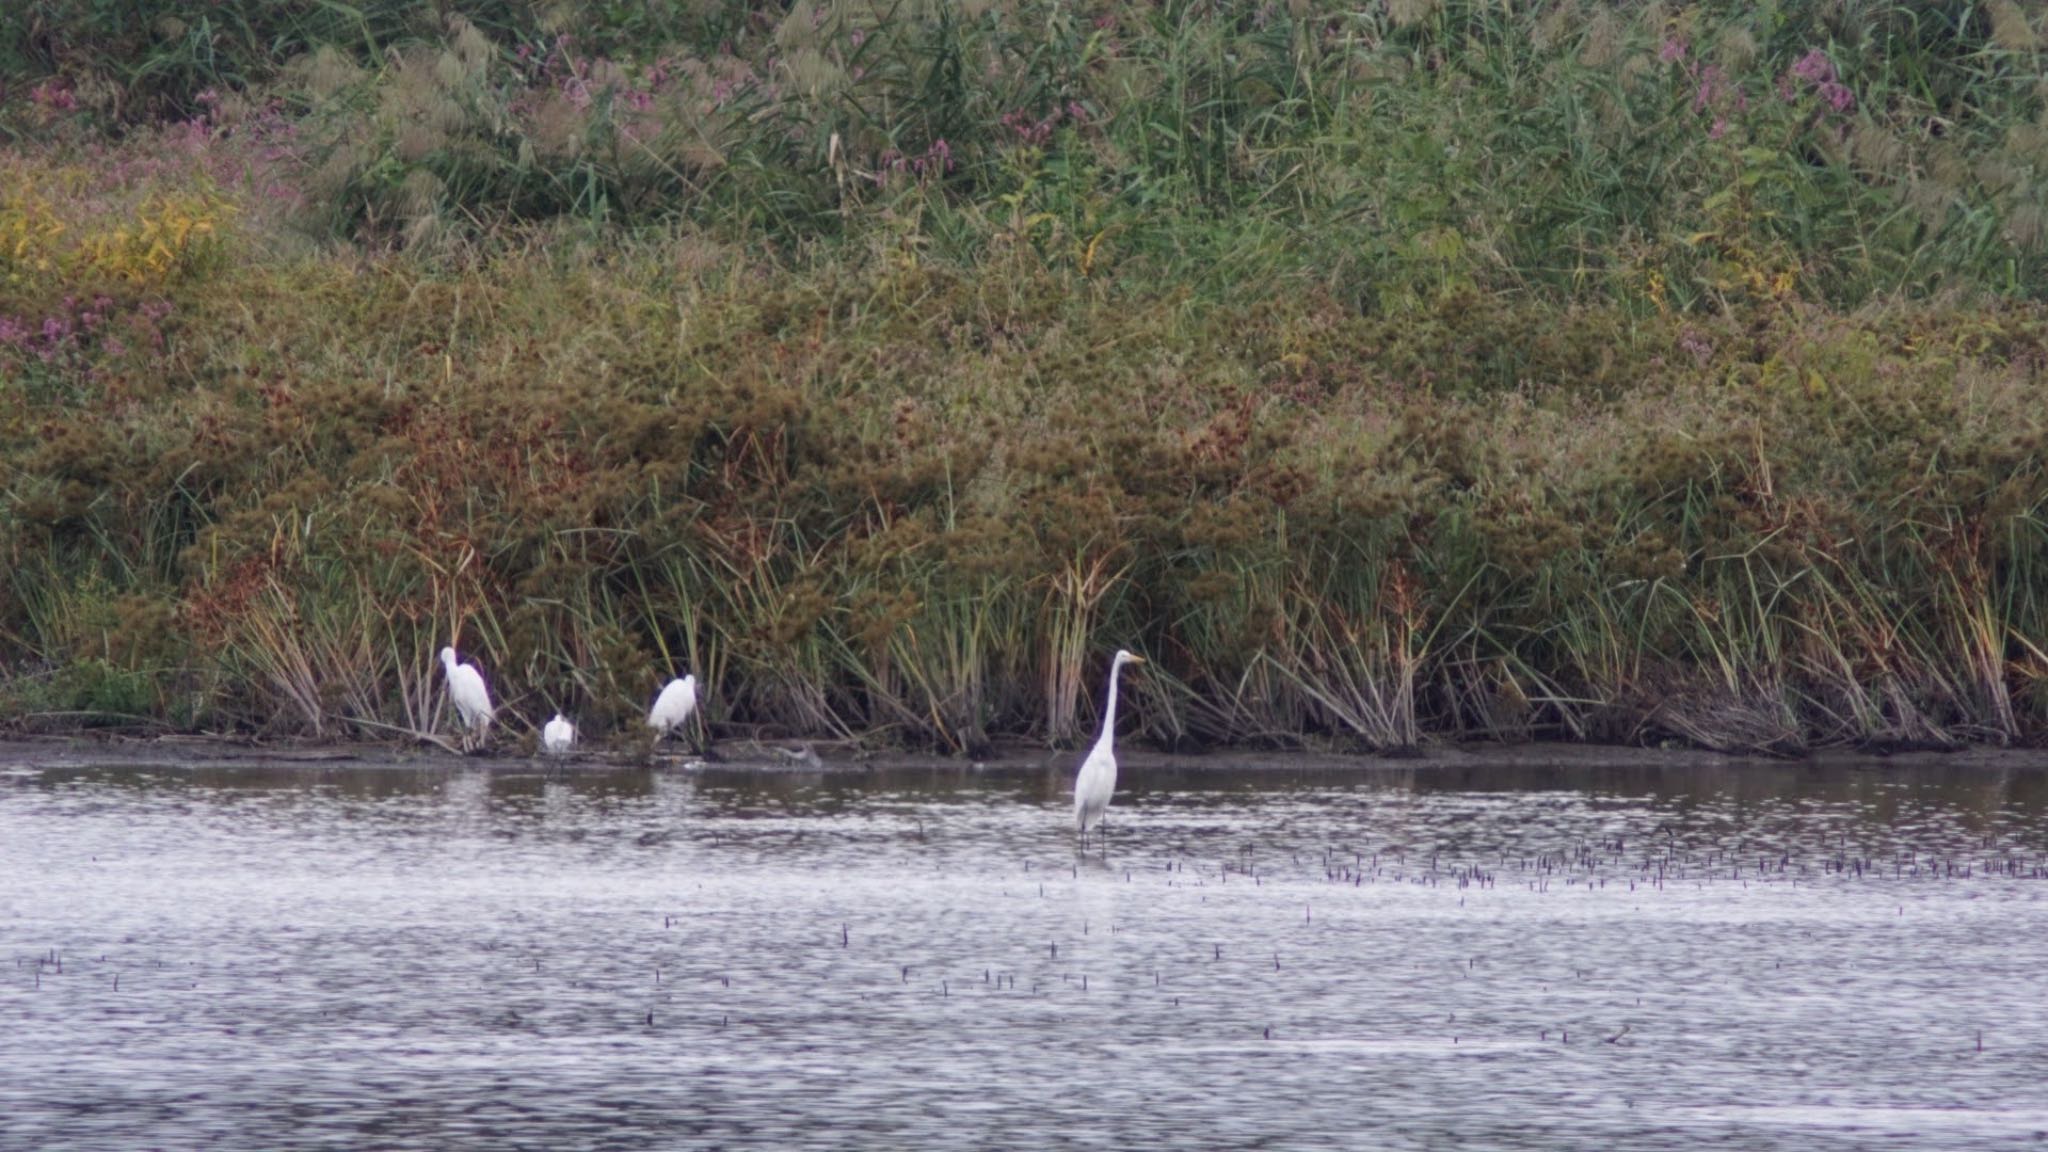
(1675,155)
(1422,368)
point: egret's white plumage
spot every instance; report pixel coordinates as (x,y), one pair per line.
(1097,778)
(558,736)
(673,707)
(472,699)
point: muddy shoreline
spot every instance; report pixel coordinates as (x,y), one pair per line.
(784,757)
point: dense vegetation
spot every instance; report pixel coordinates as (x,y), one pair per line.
(1404,368)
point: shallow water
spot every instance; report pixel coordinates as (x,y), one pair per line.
(1501,957)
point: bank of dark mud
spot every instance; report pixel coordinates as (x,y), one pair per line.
(749,757)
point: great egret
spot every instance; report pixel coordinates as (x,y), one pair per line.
(472,699)
(558,735)
(673,707)
(1097,778)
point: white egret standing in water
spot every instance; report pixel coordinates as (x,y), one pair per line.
(472,699)
(558,736)
(673,707)
(1097,778)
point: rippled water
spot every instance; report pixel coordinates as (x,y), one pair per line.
(1504,957)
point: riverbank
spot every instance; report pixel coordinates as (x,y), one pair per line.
(784,758)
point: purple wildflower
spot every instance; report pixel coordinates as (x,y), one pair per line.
(54,94)
(1819,73)
(1708,81)
(1815,68)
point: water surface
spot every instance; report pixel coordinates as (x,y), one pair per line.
(1850,956)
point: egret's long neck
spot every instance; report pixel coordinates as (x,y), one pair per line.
(1109,713)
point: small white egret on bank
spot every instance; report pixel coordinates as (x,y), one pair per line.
(1097,778)
(558,736)
(472,699)
(673,707)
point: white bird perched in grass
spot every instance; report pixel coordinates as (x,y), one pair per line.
(472,699)
(673,707)
(558,735)
(1097,778)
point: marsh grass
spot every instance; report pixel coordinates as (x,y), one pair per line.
(1369,567)
(1385,373)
